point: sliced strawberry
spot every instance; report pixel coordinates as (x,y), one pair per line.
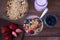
(12,26)
(5,29)
(18,31)
(8,37)
(14,34)
(38,26)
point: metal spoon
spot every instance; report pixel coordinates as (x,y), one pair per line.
(44,12)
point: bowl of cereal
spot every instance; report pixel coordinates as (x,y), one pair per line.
(33,25)
(16,9)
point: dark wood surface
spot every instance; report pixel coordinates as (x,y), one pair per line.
(54,9)
(46,34)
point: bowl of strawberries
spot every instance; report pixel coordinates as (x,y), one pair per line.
(10,31)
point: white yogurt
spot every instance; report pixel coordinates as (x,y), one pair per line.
(40,5)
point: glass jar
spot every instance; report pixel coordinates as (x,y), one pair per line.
(40,5)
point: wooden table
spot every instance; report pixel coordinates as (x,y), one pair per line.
(47,34)
(54,8)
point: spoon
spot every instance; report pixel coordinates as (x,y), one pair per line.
(44,12)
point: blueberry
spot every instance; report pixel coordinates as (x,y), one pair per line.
(26,21)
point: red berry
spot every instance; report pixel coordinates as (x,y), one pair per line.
(38,26)
(31,32)
(25,27)
(13,26)
(14,34)
(18,31)
(5,29)
(8,37)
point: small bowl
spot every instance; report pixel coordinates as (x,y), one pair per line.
(33,25)
(50,21)
(7,23)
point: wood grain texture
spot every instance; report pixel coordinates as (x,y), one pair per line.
(46,34)
(42,38)
(54,9)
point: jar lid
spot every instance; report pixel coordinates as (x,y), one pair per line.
(41,2)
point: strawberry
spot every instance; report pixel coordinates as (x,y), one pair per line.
(12,26)
(18,30)
(14,34)
(5,29)
(8,37)
(38,26)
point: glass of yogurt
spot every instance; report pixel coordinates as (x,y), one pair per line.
(40,5)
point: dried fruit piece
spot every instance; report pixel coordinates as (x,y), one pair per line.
(14,34)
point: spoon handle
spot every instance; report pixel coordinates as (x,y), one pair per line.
(44,12)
